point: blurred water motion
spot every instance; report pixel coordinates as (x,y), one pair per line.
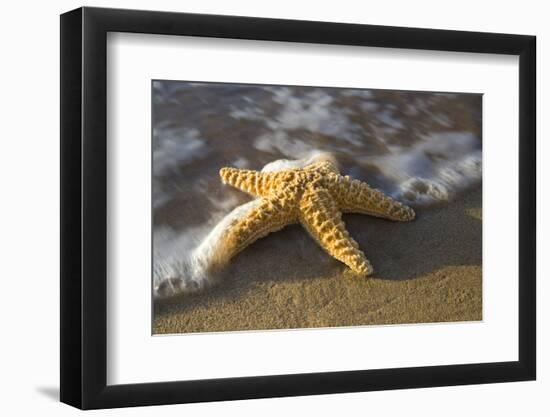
(422,148)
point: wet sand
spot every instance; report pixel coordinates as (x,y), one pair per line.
(427,271)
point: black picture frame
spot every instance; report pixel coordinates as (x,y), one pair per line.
(84,207)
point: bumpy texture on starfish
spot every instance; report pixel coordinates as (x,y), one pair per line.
(315,196)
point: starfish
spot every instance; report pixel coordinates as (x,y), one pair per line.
(315,196)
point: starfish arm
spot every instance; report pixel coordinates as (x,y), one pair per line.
(354,196)
(320,216)
(269,215)
(258,184)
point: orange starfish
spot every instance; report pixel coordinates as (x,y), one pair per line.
(314,196)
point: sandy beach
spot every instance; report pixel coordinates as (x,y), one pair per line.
(427,271)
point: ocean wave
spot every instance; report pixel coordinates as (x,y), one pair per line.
(432,170)
(420,148)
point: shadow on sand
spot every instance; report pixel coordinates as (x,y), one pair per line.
(449,235)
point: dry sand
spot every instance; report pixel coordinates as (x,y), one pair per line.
(428,270)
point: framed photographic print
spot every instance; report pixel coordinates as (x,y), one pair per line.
(258,207)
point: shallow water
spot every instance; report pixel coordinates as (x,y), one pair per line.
(420,148)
